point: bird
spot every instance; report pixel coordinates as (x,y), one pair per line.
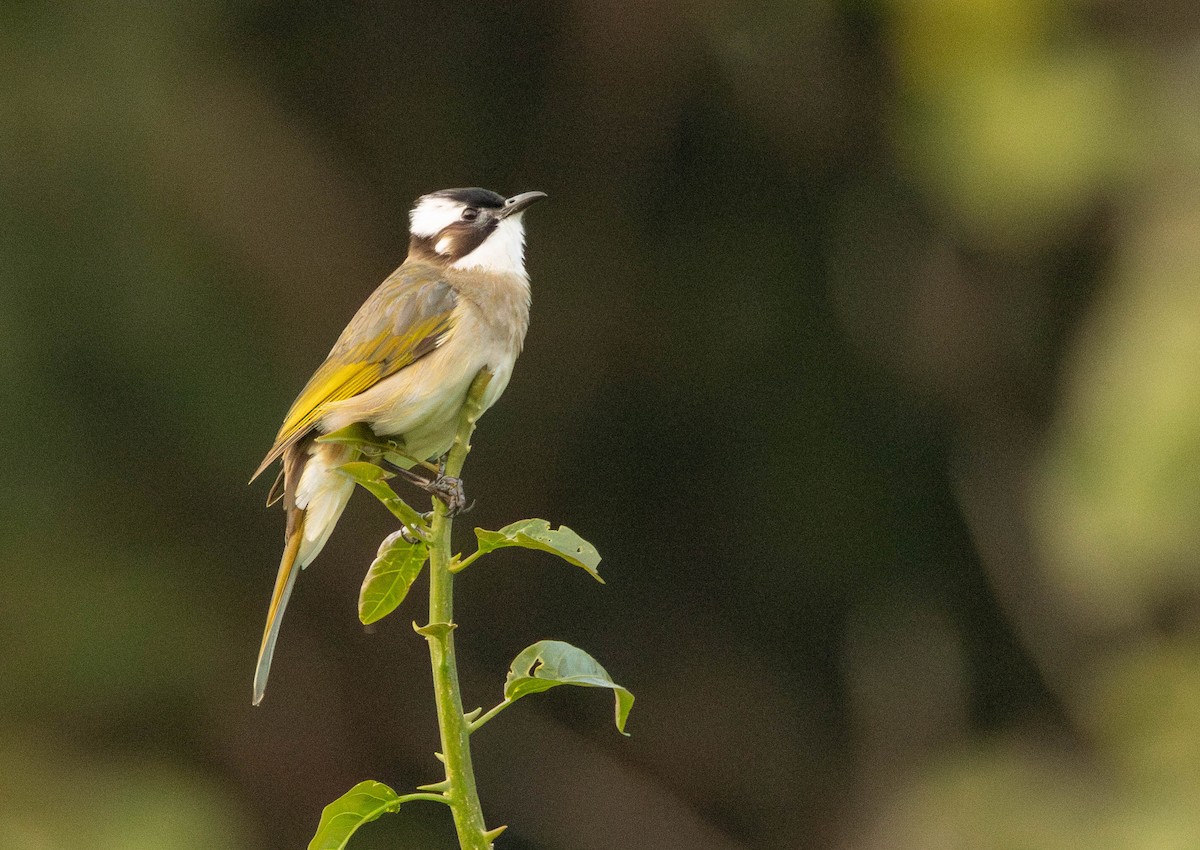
(459,303)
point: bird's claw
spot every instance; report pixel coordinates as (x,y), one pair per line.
(410,536)
(450,490)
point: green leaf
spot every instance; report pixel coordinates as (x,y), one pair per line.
(360,436)
(549,663)
(366,473)
(392,573)
(341,819)
(537,534)
(357,434)
(374,479)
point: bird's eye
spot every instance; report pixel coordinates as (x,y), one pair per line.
(470,214)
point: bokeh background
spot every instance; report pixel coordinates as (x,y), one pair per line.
(864,347)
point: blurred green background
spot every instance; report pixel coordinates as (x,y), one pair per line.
(864,347)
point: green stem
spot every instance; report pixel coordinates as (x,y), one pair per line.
(455,729)
(412,798)
(459,565)
(479,721)
(402,511)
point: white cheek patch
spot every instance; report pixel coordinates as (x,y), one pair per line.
(444,245)
(503,252)
(432,214)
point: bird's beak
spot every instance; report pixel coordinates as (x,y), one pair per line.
(518,203)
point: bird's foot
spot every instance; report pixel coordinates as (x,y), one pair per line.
(450,490)
(408,534)
(445,487)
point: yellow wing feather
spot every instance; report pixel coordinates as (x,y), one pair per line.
(401,322)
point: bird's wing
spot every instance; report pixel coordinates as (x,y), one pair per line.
(402,321)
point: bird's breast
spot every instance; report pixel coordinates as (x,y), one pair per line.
(421,402)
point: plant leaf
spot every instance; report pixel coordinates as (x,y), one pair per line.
(392,573)
(366,473)
(537,534)
(549,663)
(357,434)
(341,819)
(374,479)
(361,437)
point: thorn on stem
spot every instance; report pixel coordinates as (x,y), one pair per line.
(492,834)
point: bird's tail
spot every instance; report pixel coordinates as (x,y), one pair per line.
(285,580)
(314,495)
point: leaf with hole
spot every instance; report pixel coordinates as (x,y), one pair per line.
(550,663)
(537,534)
(392,573)
(341,819)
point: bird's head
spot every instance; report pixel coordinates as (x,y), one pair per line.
(471,229)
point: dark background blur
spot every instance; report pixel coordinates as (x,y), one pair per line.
(864,347)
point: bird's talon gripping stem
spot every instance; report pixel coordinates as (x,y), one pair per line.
(445,487)
(450,490)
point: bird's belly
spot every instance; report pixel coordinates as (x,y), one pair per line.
(421,402)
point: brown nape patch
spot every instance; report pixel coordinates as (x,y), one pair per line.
(465,236)
(421,248)
(456,240)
